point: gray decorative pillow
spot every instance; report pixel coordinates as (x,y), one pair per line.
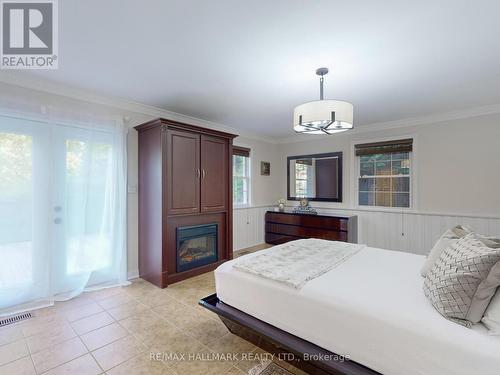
(449,237)
(464,279)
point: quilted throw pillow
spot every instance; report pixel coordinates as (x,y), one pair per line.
(450,236)
(463,280)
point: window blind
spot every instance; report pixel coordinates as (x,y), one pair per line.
(402,145)
(241,151)
(304,161)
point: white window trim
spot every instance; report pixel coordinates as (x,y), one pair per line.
(249,174)
(413,175)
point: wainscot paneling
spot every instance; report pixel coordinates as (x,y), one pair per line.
(409,232)
(248,226)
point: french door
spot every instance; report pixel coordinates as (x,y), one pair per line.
(56,210)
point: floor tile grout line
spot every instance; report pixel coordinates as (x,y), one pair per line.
(95,329)
(33,364)
(96,361)
(87,316)
(12,342)
(90,351)
(14,360)
(61,364)
(121,363)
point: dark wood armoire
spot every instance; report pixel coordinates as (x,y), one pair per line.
(185,200)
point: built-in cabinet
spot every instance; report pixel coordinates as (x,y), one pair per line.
(214,185)
(185,179)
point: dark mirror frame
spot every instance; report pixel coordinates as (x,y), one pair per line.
(339,176)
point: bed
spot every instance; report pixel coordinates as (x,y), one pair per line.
(370,308)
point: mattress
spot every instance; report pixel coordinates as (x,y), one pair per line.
(370,308)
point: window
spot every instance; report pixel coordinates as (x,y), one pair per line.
(302,176)
(241,176)
(385,173)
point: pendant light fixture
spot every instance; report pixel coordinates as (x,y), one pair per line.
(323,116)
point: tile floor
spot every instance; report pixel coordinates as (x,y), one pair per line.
(118,330)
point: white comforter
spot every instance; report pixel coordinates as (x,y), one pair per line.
(297,262)
(371,308)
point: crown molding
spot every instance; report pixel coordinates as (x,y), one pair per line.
(403,123)
(34,83)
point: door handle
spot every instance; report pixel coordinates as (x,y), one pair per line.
(203,173)
(198,172)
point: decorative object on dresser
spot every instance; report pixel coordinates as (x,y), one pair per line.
(281,205)
(305,208)
(282,227)
(316,177)
(185,204)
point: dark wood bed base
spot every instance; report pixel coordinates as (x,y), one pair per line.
(290,348)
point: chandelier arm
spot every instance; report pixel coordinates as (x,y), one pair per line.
(305,131)
(332,121)
(328,125)
(309,127)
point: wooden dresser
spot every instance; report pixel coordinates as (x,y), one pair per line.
(282,227)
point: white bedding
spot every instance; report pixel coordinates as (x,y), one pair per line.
(371,308)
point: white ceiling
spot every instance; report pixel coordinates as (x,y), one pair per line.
(246,64)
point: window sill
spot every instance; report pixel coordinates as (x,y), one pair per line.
(384,208)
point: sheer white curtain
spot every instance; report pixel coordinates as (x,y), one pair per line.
(62,206)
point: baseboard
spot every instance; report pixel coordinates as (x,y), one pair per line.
(134,274)
(258,246)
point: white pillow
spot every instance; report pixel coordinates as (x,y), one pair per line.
(491,318)
(449,237)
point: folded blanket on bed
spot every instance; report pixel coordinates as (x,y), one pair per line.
(295,263)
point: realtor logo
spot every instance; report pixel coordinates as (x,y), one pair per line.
(29,34)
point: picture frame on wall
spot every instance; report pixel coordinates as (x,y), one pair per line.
(265,168)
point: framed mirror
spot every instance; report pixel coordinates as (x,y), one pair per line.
(315,177)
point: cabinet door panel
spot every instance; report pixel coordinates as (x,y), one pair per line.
(183,172)
(214,174)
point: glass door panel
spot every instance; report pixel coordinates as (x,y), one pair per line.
(24,176)
(16,206)
(83,206)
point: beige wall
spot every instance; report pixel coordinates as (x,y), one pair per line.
(265,190)
(457,164)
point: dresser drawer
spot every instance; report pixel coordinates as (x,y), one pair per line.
(313,221)
(306,232)
(278,239)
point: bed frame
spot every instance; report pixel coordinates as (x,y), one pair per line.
(288,347)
